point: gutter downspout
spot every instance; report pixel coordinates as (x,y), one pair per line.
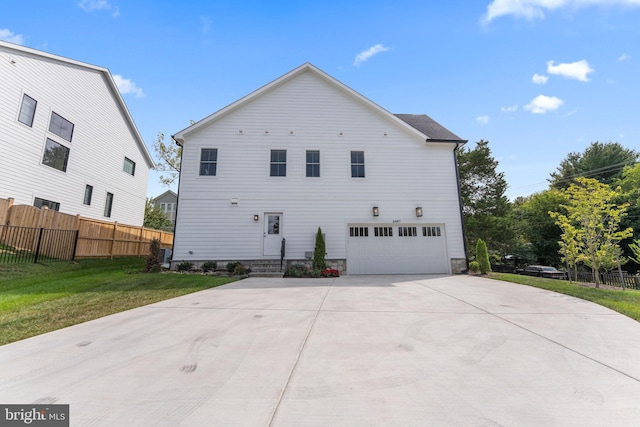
(464,236)
(175,227)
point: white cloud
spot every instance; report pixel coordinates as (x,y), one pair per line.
(126,86)
(541,104)
(578,70)
(92,5)
(9,36)
(366,54)
(483,120)
(624,57)
(539,80)
(535,9)
(510,109)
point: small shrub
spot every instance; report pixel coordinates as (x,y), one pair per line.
(231,266)
(474,266)
(482,256)
(239,270)
(319,252)
(184,266)
(209,266)
(297,270)
(154,259)
(330,272)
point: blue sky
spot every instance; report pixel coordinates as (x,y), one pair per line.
(537,78)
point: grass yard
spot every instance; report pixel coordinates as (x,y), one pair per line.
(625,302)
(39,298)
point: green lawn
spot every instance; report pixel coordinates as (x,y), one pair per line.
(38,298)
(625,302)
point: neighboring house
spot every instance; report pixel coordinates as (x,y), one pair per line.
(306,151)
(67,138)
(167,203)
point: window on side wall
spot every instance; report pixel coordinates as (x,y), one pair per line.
(60,126)
(278,163)
(39,203)
(357,164)
(27,110)
(88,192)
(108,205)
(55,155)
(208,161)
(129,166)
(313,163)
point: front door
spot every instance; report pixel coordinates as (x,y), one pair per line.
(272,234)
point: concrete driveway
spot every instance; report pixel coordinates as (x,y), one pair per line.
(375,350)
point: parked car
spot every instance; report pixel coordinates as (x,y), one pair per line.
(543,271)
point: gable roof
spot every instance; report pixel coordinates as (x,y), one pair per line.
(109,78)
(420,125)
(166,193)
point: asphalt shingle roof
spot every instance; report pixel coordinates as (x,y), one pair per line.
(429,127)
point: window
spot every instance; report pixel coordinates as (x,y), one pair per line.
(278,163)
(431,231)
(357,164)
(383,231)
(313,164)
(61,126)
(407,232)
(27,110)
(55,155)
(88,192)
(359,231)
(39,203)
(208,161)
(129,166)
(108,204)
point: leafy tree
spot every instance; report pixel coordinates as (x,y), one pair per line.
(591,225)
(630,193)
(482,257)
(484,204)
(538,227)
(319,252)
(169,156)
(601,161)
(154,217)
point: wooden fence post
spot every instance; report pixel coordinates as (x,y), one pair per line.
(113,239)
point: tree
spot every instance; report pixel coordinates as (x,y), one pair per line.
(154,217)
(591,225)
(601,161)
(540,229)
(319,252)
(630,193)
(484,204)
(482,257)
(169,156)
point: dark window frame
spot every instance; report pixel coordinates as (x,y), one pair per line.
(312,163)
(57,126)
(26,111)
(208,165)
(39,203)
(108,205)
(54,162)
(278,163)
(357,164)
(132,164)
(88,194)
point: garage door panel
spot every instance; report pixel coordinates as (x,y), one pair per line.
(406,249)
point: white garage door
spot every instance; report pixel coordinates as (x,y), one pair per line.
(396,249)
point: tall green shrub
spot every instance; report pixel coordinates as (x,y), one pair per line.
(154,258)
(319,252)
(482,256)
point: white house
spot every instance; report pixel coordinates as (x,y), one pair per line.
(306,151)
(67,138)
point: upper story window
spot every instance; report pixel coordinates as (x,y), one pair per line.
(55,155)
(108,204)
(27,110)
(278,163)
(357,164)
(38,203)
(61,126)
(88,192)
(208,161)
(313,163)
(129,166)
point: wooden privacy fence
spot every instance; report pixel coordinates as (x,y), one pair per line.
(96,238)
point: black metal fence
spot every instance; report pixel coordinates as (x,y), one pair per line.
(27,244)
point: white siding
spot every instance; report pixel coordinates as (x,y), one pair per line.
(308,113)
(102,137)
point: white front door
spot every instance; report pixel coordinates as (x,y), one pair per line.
(272,239)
